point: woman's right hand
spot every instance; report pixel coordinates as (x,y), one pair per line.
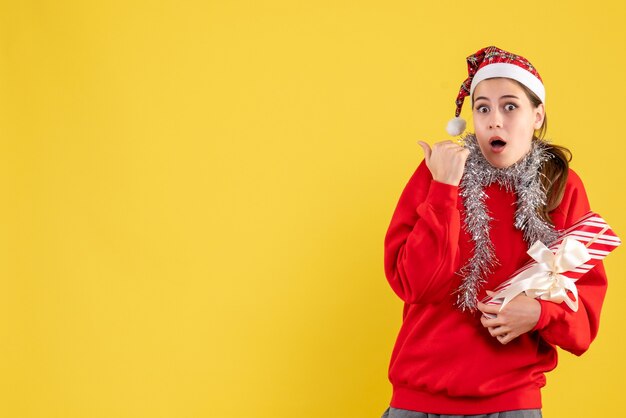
(446,161)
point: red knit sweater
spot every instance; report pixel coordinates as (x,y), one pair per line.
(444,361)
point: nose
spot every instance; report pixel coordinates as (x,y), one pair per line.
(496,120)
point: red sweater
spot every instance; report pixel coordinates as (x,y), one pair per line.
(444,361)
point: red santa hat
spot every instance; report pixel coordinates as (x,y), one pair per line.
(491,62)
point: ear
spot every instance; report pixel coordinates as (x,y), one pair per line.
(540,113)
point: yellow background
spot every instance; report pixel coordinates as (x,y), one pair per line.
(195,195)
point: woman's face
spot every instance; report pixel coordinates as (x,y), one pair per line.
(504,120)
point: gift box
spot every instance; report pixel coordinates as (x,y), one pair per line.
(552,272)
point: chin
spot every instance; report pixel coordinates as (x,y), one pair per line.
(500,164)
(497,163)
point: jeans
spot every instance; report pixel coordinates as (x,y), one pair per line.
(392,412)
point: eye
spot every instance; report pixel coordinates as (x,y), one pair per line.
(509,107)
(482,109)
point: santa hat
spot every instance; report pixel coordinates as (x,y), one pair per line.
(493,62)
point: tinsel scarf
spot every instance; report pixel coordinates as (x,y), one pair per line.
(524,179)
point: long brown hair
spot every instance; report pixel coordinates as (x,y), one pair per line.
(555,170)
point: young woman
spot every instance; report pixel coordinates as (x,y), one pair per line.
(462,226)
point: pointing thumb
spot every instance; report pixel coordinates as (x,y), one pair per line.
(426,148)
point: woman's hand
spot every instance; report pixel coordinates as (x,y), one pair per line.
(446,161)
(520,315)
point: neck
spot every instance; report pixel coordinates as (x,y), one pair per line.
(522,178)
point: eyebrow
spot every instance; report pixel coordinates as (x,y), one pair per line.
(507,96)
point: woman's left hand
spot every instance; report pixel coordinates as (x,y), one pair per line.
(520,315)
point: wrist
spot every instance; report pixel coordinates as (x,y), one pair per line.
(442,195)
(447,180)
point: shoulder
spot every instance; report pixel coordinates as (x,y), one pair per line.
(574,188)
(420,178)
(416,188)
(574,180)
(422,171)
(574,203)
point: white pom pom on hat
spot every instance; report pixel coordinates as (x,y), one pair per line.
(491,62)
(456,126)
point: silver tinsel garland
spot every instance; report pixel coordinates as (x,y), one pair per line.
(524,179)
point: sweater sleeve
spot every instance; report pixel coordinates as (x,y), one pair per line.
(558,324)
(421,244)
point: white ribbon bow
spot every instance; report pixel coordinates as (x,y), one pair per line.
(544,279)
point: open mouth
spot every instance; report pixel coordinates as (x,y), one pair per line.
(497,143)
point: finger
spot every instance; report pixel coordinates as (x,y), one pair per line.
(463,154)
(494,332)
(490,322)
(501,330)
(447,145)
(444,142)
(483,320)
(484,308)
(507,338)
(427,150)
(498,331)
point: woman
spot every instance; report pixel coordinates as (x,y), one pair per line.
(462,226)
